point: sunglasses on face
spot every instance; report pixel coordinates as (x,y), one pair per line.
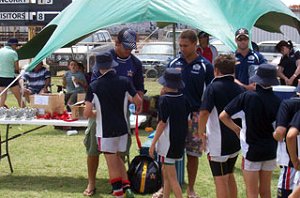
(242,39)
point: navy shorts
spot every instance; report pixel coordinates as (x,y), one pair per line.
(222,168)
(4,82)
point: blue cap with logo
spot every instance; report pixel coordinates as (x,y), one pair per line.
(242,32)
(128,38)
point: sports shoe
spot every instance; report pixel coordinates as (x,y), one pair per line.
(129,193)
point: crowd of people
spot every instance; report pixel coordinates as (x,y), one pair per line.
(209,103)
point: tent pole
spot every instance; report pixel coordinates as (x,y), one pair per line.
(174,39)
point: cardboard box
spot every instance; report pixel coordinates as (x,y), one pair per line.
(48,103)
(77,110)
(80,97)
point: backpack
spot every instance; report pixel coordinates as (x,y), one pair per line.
(144,174)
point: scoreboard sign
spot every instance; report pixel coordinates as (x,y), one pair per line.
(30,12)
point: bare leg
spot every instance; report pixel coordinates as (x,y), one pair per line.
(92,165)
(16,90)
(232,186)
(3,96)
(295,193)
(170,171)
(265,184)
(123,169)
(222,186)
(192,169)
(166,187)
(251,182)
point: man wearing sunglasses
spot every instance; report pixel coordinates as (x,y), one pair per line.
(245,58)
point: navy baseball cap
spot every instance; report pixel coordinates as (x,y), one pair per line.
(172,79)
(203,34)
(12,41)
(242,32)
(128,38)
(105,61)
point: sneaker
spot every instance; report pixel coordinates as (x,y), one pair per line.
(129,193)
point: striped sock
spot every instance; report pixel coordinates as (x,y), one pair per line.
(125,185)
(117,187)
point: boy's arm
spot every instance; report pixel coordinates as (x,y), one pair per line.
(137,100)
(279,133)
(159,130)
(291,141)
(226,119)
(203,117)
(88,110)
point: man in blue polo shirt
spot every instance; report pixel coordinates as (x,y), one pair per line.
(245,58)
(222,144)
(197,73)
(130,67)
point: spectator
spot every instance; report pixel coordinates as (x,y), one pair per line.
(74,81)
(245,58)
(289,65)
(37,81)
(86,74)
(197,73)
(171,129)
(108,94)
(205,49)
(130,67)
(223,145)
(258,110)
(9,68)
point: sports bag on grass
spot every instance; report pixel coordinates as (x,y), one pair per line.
(144,174)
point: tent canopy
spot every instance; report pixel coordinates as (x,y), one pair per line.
(217,17)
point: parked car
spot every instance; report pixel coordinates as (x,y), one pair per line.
(61,57)
(220,46)
(155,56)
(268,50)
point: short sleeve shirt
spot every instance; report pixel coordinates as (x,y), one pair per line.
(8,57)
(243,63)
(36,80)
(109,93)
(173,110)
(258,112)
(70,85)
(221,140)
(196,77)
(289,65)
(296,121)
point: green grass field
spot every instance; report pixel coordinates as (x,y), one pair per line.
(48,163)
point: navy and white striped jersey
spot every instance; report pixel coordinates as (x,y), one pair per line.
(221,140)
(109,93)
(258,111)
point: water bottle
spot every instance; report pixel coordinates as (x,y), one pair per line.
(131,108)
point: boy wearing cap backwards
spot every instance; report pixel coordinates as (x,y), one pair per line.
(222,144)
(130,67)
(258,110)
(109,94)
(171,130)
(287,110)
(9,68)
(245,57)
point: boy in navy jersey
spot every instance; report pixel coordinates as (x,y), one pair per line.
(109,95)
(286,181)
(222,144)
(258,111)
(171,130)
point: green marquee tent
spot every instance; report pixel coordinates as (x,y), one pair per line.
(220,18)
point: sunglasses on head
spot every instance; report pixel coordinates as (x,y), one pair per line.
(242,38)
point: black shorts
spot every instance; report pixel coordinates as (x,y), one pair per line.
(222,168)
(4,82)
